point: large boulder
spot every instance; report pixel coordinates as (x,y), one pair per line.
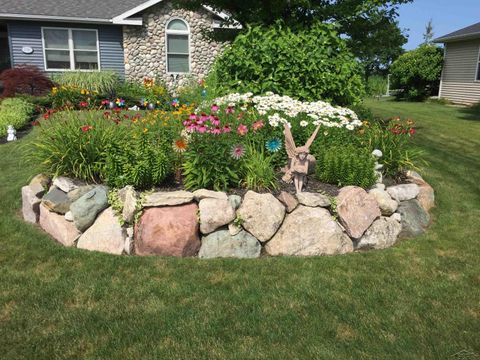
(105,235)
(261,215)
(309,231)
(169,198)
(387,205)
(209,194)
(60,229)
(129,197)
(42,180)
(414,218)
(313,199)
(356,210)
(168,231)
(59,201)
(222,244)
(288,200)
(426,197)
(382,234)
(30,205)
(403,192)
(66,184)
(87,207)
(215,213)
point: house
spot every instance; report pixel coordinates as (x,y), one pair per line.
(134,38)
(460,82)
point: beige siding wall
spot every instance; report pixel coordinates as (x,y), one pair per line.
(458,77)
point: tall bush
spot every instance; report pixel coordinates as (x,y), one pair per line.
(307,63)
(25,79)
(15,112)
(417,73)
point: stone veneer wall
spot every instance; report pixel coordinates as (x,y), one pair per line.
(145,47)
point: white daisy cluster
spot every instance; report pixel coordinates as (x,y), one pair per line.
(321,113)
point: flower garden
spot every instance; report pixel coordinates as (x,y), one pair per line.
(131,169)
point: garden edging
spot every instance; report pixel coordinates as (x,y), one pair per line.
(211,224)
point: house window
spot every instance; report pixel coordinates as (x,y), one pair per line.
(178,48)
(70,49)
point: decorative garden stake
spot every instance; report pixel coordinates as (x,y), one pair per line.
(377,154)
(11,133)
(298,159)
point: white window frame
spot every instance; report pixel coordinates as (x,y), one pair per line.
(70,49)
(477,65)
(178,32)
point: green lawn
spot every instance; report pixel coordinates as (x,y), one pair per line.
(419,299)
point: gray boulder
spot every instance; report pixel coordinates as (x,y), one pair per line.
(403,192)
(30,205)
(215,213)
(387,205)
(382,234)
(209,194)
(222,244)
(309,231)
(58,201)
(235,201)
(169,198)
(313,199)
(66,184)
(86,208)
(414,218)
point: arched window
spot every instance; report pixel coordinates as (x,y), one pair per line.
(178,47)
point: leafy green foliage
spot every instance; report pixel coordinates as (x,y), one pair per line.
(258,171)
(417,72)
(346,165)
(308,63)
(16,112)
(376,85)
(102,82)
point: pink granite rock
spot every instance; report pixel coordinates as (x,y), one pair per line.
(288,200)
(426,196)
(30,205)
(168,231)
(356,210)
(60,229)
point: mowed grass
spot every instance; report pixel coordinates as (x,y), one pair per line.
(419,299)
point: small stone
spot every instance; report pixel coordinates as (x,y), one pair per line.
(30,205)
(86,208)
(66,184)
(397,217)
(288,200)
(168,231)
(105,235)
(403,192)
(43,180)
(222,244)
(356,210)
(69,216)
(415,178)
(414,218)
(387,205)
(206,194)
(309,231)
(234,229)
(262,215)
(426,197)
(313,199)
(380,186)
(129,197)
(235,201)
(170,198)
(57,200)
(60,229)
(215,213)
(382,234)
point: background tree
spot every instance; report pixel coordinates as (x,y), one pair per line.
(428,35)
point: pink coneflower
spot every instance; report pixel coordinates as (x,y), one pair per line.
(214,120)
(216,130)
(227,129)
(229,110)
(214,108)
(242,130)
(191,128)
(187,123)
(237,152)
(202,129)
(204,117)
(192,117)
(257,125)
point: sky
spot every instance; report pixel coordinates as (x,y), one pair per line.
(447,16)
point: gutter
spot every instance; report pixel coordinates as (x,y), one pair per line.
(446,39)
(6,16)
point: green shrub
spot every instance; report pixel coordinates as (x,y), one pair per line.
(102,82)
(376,85)
(258,170)
(346,165)
(307,63)
(417,73)
(16,112)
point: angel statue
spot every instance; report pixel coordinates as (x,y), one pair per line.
(299,159)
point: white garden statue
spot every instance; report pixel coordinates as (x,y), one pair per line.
(377,154)
(11,133)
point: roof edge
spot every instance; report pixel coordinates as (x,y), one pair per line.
(445,39)
(7,16)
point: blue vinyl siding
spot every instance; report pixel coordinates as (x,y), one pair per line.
(29,33)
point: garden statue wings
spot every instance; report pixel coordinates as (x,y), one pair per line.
(299,158)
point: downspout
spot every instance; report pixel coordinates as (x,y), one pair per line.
(443,70)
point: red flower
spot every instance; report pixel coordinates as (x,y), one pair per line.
(257,125)
(83,104)
(106,114)
(35,123)
(412,131)
(46,116)
(86,128)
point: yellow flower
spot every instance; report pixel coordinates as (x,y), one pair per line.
(145,130)
(54,90)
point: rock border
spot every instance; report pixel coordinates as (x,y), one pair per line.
(211,224)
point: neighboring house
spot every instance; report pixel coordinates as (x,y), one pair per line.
(460,81)
(135,38)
